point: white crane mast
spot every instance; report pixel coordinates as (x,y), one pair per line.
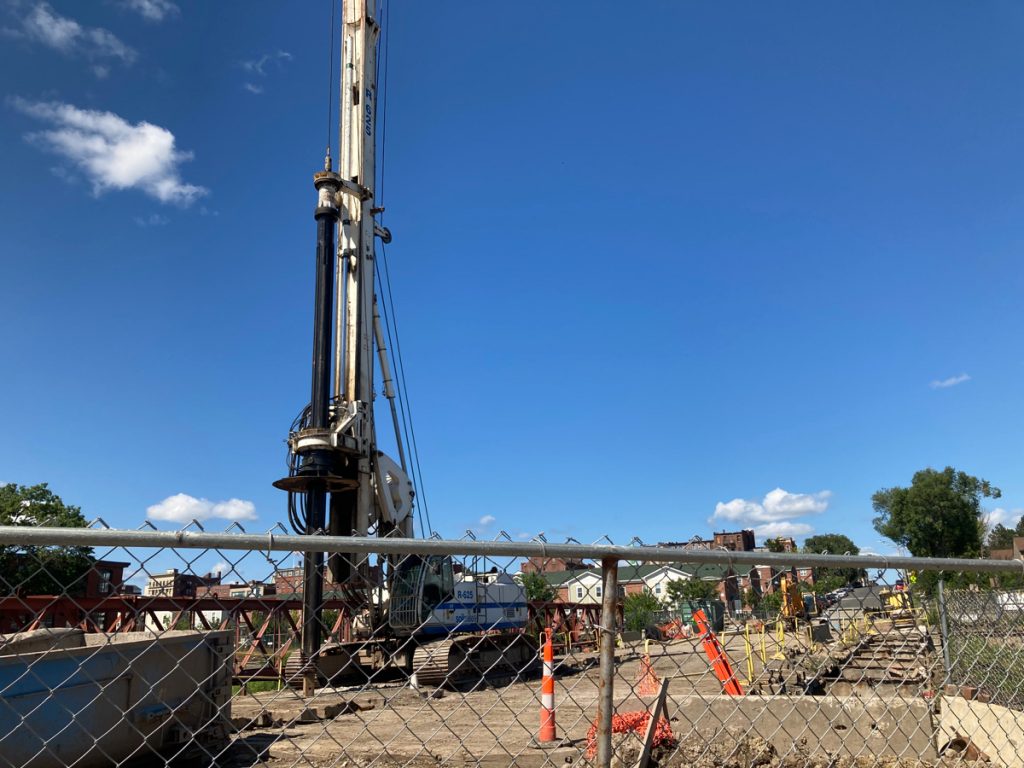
(356,263)
(338,481)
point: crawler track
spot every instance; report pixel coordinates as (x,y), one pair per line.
(471,659)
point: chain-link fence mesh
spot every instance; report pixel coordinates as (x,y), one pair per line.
(984,648)
(457,653)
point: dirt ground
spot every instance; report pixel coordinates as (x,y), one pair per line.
(394,725)
(492,726)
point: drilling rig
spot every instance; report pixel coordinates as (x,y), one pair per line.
(438,620)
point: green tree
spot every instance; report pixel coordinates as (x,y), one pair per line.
(679,590)
(939,515)
(775,545)
(1001,537)
(34,569)
(639,610)
(834,544)
(826,580)
(537,588)
(771,603)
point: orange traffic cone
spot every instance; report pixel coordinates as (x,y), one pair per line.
(547,692)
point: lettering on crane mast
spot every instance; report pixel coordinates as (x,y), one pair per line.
(368,112)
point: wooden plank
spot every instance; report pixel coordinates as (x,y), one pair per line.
(659,707)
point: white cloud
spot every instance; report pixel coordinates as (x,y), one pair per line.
(771,516)
(1006,517)
(114,153)
(783,528)
(487,520)
(153,220)
(952,381)
(41,24)
(258,68)
(222,568)
(776,505)
(152,10)
(780,504)
(182,508)
(738,509)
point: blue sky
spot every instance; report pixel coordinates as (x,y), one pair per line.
(694,267)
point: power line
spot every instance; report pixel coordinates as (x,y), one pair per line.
(330,79)
(384,283)
(403,397)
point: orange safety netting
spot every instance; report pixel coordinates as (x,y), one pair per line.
(647,683)
(636,722)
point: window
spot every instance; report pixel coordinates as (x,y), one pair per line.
(657,589)
(105,576)
(598,591)
(579,593)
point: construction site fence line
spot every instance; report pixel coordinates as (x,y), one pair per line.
(271,542)
(919,664)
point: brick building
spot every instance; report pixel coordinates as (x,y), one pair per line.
(288,582)
(735,541)
(174,583)
(239,590)
(551,565)
(105,578)
(1014,553)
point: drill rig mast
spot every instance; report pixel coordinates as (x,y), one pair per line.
(439,621)
(339,483)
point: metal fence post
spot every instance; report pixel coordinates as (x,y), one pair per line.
(609,621)
(945,633)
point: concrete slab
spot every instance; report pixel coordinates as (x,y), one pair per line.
(836,725)
(997,731)
(42,640)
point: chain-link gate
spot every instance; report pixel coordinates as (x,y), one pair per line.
(152,647)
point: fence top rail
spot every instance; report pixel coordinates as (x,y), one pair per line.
(271,542)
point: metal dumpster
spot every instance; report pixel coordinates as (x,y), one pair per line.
(113,697)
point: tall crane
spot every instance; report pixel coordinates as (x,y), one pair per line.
(338,481)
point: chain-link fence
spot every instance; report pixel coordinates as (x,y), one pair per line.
(147,648)
(984,648)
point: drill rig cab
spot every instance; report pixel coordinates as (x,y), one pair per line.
(420,585)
